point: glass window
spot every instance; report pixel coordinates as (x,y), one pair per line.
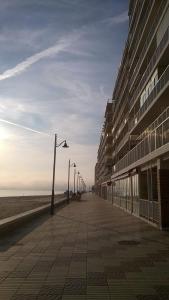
(143,185)
(154,184)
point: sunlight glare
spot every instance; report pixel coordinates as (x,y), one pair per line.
(4,134)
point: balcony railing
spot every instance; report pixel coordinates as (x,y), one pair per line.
(135,11)
(147,43)
(153,141)
(149,210)
(137,38)
(150,67)
(137,15)
(122,71)
(154,93)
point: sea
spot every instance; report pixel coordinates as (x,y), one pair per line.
(14,193)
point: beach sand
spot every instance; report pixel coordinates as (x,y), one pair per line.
(10,206)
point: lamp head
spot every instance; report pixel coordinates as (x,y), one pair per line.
(74,165)
(65,145)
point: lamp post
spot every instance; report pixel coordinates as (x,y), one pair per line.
(74,181)
(80,184)
(77,183)
(54,164)
(68,192)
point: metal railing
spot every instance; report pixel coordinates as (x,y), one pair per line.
(135,15)
(121,71)
(138,13)
(161,118)
(150,66)
(154,140)
(154,93)
(119,111)
(147,43)
(137,38)
(149,210)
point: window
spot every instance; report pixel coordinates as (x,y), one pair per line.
(143,186)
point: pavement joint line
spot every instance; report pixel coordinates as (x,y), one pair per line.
(55,243)
(91,225)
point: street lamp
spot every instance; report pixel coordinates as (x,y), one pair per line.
(80,183)
(78,173)
(74,181)
(69,165)
(56,145)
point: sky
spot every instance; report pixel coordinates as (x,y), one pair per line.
(58,63)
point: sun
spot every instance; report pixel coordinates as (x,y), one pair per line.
(4,134)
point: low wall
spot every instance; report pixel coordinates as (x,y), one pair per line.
(11,223)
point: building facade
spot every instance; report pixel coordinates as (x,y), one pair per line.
(139,180)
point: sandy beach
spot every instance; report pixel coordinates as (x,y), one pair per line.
(10,206)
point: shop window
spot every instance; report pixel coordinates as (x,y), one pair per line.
(154,184)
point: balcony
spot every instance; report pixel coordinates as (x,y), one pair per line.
(120,108)
(108,149)
(109,138)
(132,12)
(153,141)
(108,160)
(152,98)
(163,44)
(136,16)
(138,37)
(121,72)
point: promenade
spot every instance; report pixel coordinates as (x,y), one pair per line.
(87,250)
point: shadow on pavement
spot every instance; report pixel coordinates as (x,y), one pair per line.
(13,237)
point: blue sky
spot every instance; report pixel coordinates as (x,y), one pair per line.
(58,63)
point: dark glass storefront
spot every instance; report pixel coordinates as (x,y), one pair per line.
(138,194)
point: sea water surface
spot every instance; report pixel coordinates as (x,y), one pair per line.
(13,193)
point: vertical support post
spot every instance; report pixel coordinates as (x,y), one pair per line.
(77,182)
(68,196)
(53,182)
(74,179)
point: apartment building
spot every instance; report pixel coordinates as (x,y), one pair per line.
(103,168)
(139,181)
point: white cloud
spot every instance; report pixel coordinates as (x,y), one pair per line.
(61,45)
(21,126)
(118,19)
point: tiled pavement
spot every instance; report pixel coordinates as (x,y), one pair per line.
(87,250)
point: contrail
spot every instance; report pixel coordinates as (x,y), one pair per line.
(60,46)
(23,127)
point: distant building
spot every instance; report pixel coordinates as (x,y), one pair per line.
(132,169)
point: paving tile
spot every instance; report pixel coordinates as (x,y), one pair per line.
(87,250)
(96,278)
(98,292)
(75,286)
